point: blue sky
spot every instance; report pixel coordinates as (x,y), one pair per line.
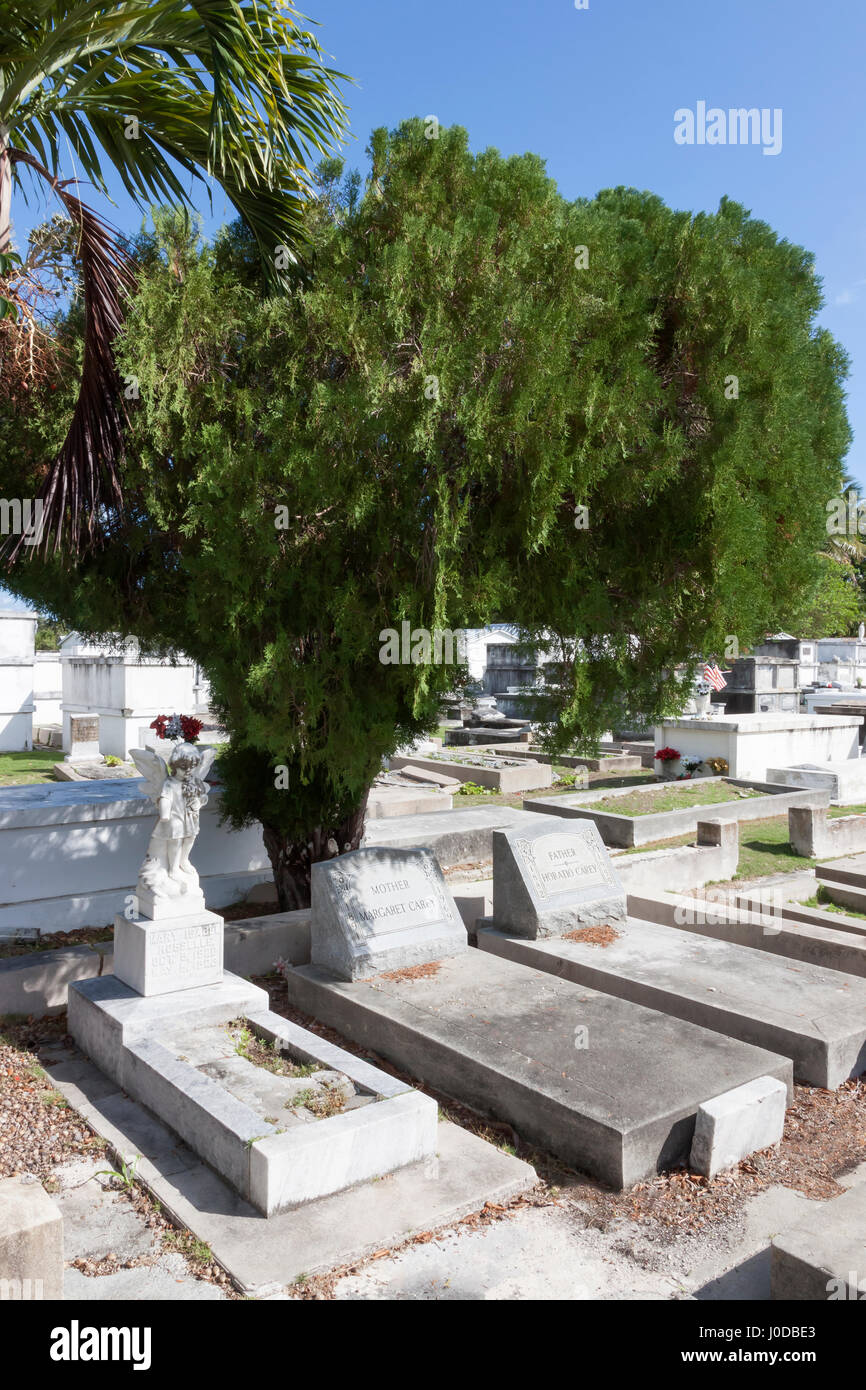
(594,92)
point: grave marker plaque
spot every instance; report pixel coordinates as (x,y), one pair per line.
(551,880)
(182,952)
(378,909)
(83,738)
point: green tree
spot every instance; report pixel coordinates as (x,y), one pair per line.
(49,633)
(409,436)
(835,606)
(234,91)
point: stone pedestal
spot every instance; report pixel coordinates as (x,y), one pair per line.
(181,952)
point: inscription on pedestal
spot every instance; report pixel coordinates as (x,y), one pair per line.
(185,951)
(160,957)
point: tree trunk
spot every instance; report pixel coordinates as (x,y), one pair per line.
(5,192)
(292,860)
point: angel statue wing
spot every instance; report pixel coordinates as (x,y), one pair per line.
(152,768)
(204,767)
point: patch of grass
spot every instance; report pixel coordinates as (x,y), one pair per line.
(705,792)
(25,769)
(125,1175)
(185,1243)
(766,849)
(820,899)
(321,1103)
(834,811)
(55,1099)
(674,843)
(301,1098)
(266,1055)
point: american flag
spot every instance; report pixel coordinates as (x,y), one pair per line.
(713,675)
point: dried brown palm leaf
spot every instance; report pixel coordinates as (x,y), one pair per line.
(81,495)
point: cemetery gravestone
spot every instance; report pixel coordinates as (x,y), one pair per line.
(377,910)
(548,881)
(83,738)
(160,957)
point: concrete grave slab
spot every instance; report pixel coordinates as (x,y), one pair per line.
(504,774)
(844,781)
(844,881)
(263,1256)
(165,1052)
(609,1086)
(851,870)
(455,837)
(816,1017)
(804,934)
(381,909)
(823,1257)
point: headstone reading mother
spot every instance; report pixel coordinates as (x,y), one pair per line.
(551,880)
(378,909)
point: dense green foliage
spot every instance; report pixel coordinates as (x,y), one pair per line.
(835,606)
(429,409)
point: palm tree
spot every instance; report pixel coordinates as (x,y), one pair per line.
(234,90)
(851,548)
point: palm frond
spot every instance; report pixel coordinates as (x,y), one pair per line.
(235,91)
(82,493)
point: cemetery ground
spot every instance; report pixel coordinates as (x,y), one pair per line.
(677,1235)
(24,769)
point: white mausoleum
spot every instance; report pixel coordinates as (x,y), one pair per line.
(17,651)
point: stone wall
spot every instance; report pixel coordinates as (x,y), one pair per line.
(70,853)
(815,836)
(17,650)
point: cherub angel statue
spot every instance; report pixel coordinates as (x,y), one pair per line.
(179,791)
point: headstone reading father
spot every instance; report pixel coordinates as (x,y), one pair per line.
(552,879)
(378,909)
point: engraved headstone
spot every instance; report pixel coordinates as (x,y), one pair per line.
(83,738)
(378,909)
(182,952)
(552,879)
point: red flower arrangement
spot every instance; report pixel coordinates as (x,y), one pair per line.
(177,726)
(667,755)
